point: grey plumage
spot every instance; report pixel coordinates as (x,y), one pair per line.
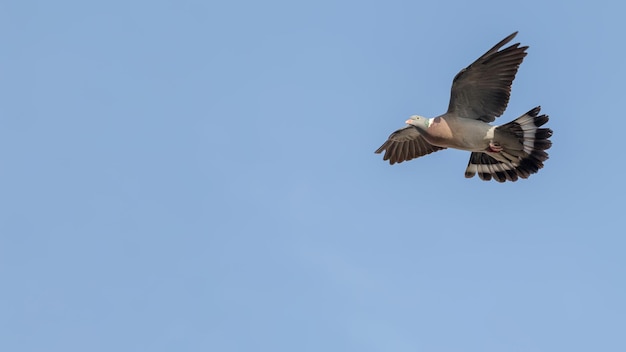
(406,144)
(482,90)
(480,93)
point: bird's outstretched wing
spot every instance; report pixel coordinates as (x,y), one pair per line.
(481,91)
(406,144)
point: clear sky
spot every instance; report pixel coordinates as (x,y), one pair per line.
(200,176)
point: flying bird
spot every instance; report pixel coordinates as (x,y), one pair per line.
(480,93)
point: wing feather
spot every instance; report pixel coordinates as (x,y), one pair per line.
(481,91)
(406,144)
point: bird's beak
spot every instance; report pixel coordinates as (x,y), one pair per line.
(408,122)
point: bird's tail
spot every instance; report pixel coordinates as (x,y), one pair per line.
(524,146)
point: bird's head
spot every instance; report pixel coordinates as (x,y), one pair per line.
(418,121)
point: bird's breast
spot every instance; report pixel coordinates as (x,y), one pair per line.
(464,134)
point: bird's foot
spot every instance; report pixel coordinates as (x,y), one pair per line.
(494,147)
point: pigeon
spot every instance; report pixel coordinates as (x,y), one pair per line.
(480,93)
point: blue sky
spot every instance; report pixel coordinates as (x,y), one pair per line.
(200,176)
